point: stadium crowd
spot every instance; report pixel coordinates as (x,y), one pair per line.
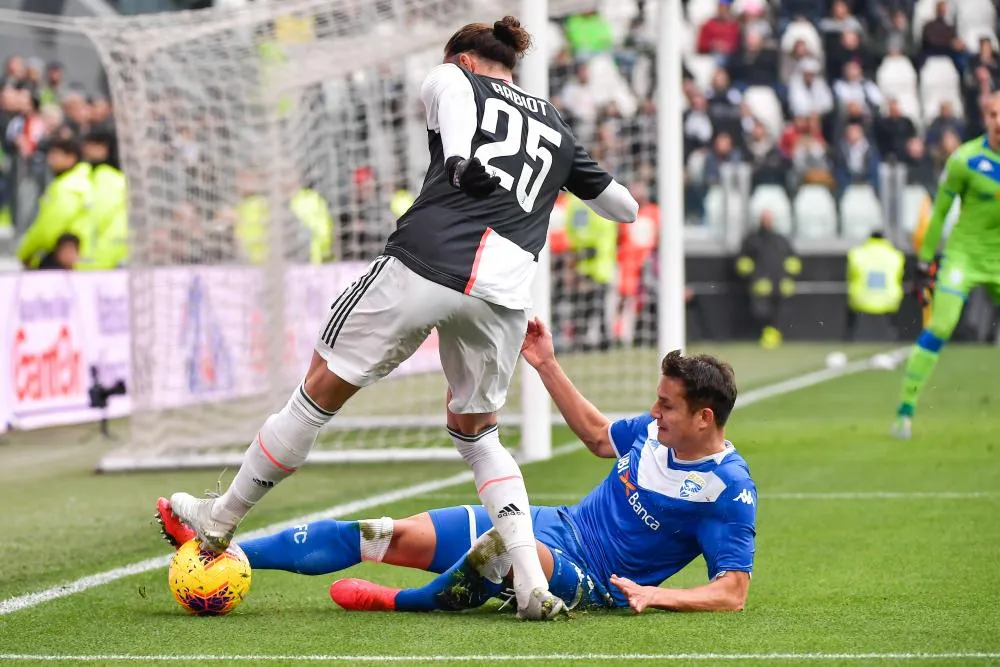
(832,119)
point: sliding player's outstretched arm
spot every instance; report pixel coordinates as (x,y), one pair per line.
(727,593)
(585,420)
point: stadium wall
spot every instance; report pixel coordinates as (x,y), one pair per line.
(59,327)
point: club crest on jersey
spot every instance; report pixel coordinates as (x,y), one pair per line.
(692,485)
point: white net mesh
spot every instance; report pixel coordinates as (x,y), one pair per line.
(269,151)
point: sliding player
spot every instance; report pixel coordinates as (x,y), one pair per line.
(677,490)
(971,254)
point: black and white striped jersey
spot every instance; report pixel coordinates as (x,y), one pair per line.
(489,247)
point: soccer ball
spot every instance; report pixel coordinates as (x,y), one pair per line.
(207,584)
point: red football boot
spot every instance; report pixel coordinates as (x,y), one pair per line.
(173,530)
(361,595)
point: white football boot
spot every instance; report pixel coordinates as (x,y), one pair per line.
(196,514)
(542,606)
(902,428)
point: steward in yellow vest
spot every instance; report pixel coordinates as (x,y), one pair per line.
(109,208)
(64,207)
(875,277)
(310,209)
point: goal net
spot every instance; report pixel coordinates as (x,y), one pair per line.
(269,150)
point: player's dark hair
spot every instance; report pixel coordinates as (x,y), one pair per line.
(708,382)
(504,42)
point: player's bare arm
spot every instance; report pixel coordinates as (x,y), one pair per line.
(585,420)
(728,592)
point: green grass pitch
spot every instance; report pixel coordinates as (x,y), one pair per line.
(869,551)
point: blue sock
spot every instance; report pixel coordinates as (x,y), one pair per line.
(321,547)
(461,587)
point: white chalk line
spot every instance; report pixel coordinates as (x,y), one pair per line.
(484,658)
(29,600)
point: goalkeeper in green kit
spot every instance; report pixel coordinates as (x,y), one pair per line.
(971,254)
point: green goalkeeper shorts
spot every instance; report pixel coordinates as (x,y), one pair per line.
(959,274)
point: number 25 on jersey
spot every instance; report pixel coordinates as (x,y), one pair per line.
(511,145)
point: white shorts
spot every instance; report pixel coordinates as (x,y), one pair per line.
(386,314)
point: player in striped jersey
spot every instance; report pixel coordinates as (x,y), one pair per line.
(461,261)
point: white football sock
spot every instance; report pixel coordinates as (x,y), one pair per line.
(501,490)
(281,446)
(376,536)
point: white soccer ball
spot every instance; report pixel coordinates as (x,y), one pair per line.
(884,362)
(836,360)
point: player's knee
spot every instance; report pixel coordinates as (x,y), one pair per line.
(327,389)
(471,424)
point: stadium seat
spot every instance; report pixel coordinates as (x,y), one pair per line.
(896,77)
(772,198)
(815,213)
(689,39)
(972,35)
(724,210)
(913,200)
(939,82)
(910,106)
(766,107)
(699,11)
(860,212)
(975,16)
(805,31)
(702,68)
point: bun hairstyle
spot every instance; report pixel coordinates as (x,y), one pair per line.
(504,42)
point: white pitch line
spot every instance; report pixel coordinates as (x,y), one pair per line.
(536,658)
(29,600)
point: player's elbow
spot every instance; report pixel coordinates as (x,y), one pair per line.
(599,445)
(631,210)
(734,602)
(735,596)
(616,203)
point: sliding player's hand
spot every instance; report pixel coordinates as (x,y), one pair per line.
(471,177)
(639,597)
(537,348)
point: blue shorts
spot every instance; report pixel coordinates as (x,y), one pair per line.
(457,527)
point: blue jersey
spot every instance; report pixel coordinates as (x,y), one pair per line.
(654,514)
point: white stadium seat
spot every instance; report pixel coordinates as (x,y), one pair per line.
(939,82)
(896,77)
(702,68)
(860,212)
(765,107)
(722,212)
(975,15)
(805,31)
(912,201)
(774,199)
(815,213)
(974,34)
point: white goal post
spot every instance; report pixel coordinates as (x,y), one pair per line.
(244,133)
